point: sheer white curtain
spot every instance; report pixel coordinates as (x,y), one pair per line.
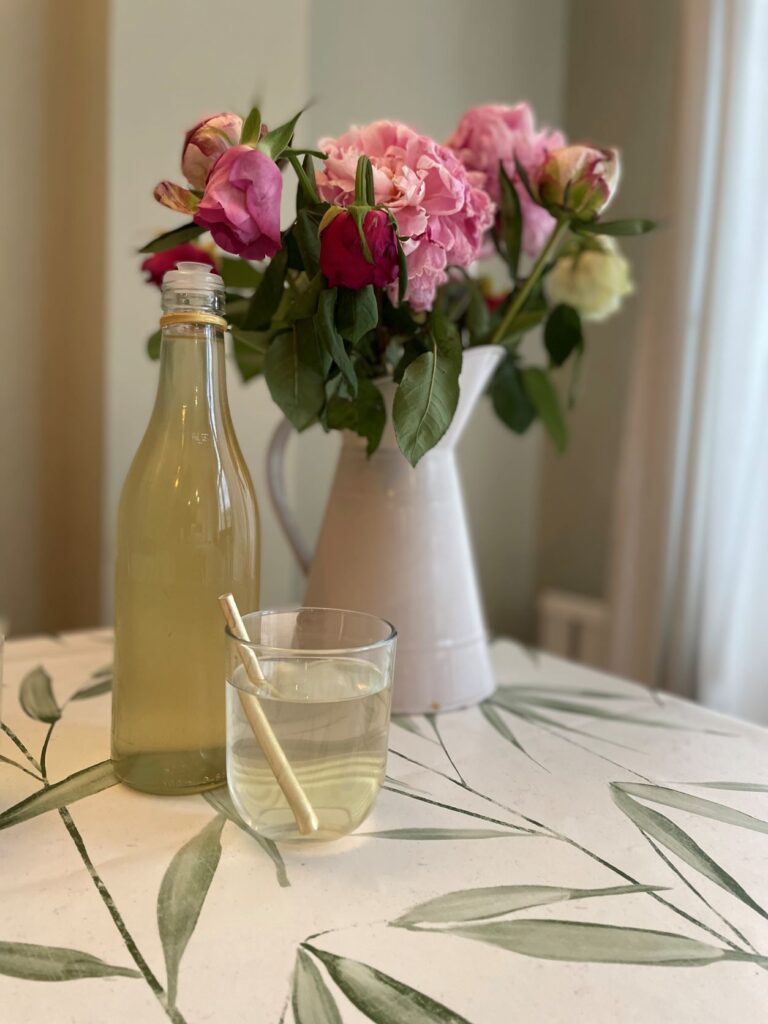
(690,579)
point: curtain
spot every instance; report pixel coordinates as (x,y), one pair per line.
(689,588)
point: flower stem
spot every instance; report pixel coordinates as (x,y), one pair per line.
(521,298)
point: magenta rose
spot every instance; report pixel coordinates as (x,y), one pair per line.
(342,260)
(440,214)
(158,264)
(496,133)
(205,143)
(241,203)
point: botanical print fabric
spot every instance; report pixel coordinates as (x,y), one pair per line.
(569,850)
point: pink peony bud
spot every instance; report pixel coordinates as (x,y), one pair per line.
(342,259)
(204,144)
(158,264)
(579,180)
(241,203)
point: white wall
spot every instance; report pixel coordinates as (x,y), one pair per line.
(424,62)
(170,64)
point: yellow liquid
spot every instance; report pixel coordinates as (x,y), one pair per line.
(332,719)
(187,531)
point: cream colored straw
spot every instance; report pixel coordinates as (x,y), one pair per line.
(306,819)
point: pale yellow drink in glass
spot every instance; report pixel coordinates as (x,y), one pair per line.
(187,531)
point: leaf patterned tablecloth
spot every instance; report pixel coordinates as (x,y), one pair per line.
(575,849)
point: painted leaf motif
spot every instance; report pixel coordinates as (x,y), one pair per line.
(55,963)
(421,834)
(221,801)
(312,1002)
(494,719)
(695,805)
(408,723)
(102,684)
(36,696)
(599,943)
(674,839)
(524,691)
(182,894)
(382,998)
(81,784)
(736,787)
(497,900)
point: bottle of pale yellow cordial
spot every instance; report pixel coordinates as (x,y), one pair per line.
(187,531)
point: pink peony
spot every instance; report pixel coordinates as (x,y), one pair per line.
(158,264)
(487,135)
(579,180)
(342,260)
(204,144)
(241,203)
(441,215)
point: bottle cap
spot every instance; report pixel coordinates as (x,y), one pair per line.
(193,286)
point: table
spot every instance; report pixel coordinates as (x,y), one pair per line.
(576,849)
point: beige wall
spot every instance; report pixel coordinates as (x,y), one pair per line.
(618,92)
(52,83)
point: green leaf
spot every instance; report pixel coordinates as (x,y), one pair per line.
(523,176)
(182,893)
(357,313)
(304,301)
(631,226)
(542,394)
(153,344)
(75,787)
(102,685)
(186,233)
(251,128)
(421,834)
(334,343)
(293,377)
(678,842)
(275,142)
(239,273)
(511,220)
(221,801)
(36,697)
(365,414)
(55,963)
(267,296)
(510,399)
(306,190)
(428,393)
(383,999)
(695,805)
(498,900)
(494,719)
(562,335)
(736,787)
(311,1001)
(308,241)
(478,314)
(584,942)
(250,349)
(521,324)
(412,349)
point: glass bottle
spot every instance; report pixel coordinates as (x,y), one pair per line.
(188,530)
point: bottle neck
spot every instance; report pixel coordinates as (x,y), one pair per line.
(193,386)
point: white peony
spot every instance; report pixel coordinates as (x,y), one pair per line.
(593,281)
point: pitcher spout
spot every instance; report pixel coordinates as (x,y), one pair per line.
(478,366)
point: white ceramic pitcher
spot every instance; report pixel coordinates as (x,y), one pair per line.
(394,542)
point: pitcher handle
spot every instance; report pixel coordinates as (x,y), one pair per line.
(276,482)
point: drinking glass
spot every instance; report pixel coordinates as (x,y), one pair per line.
(326,695)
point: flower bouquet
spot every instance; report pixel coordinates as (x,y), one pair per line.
(375,277)
(367,314)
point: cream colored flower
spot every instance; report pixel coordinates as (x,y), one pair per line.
(593,281)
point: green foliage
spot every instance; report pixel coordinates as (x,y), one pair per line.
(308,239)
(186,233)
(251,128)
(153,344)
(237,273)
(364,413)
(357,313)
(511,221)
(333,341)
(295,376)
(428,393)
(563,334)
(541,391)
(250,349)
(509,397)
(630,226)
(279,138)
(267,296)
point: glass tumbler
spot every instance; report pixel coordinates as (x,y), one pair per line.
(326,695)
